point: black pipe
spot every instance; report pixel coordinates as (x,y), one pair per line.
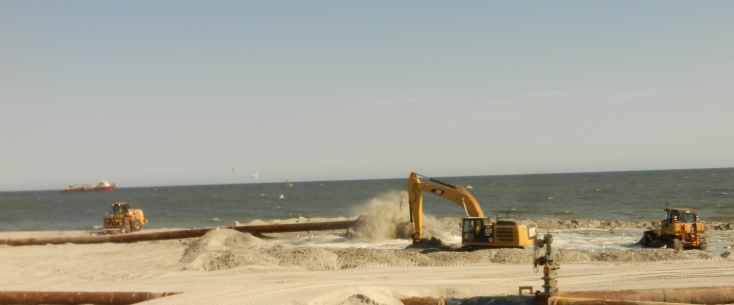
(131,238)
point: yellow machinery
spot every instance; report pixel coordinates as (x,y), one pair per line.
(679,230)
(477,231)
(124,218)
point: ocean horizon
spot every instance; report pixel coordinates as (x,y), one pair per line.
(624,195)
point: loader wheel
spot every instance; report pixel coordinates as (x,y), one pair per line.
(136,225)
(677,245)
(125,228)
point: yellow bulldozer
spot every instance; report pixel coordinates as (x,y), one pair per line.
(124,218)
(680,230)
(477,230)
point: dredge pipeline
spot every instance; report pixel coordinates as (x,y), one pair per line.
(63,297)
(193,233)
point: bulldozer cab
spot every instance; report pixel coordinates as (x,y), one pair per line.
(682,223)
(681,215)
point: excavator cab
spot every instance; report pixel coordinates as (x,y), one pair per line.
(482,232)
(472,229)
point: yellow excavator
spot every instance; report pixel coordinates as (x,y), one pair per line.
(476,230)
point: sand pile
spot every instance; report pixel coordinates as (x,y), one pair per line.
(225,249)
(718,226)
(556,224)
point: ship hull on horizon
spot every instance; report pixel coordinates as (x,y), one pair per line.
(101,187)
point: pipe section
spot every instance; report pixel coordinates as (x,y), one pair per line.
(131,238)
(100,298)
(419,301)
(581,301)
(701,295)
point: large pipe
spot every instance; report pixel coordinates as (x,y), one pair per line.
(517,300)
(700,295)
(500,300)
(131,238)
(582,301)
(63,297)
(419,301)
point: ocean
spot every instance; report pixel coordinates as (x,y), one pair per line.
(631,195)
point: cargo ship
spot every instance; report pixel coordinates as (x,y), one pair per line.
(102,186)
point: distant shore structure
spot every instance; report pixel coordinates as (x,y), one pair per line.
(102,186)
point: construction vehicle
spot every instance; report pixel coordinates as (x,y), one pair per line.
(477,231)
(679,230)
(124,218)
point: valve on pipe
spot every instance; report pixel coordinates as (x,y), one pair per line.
(547,261)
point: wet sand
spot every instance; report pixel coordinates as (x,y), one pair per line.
(228,267)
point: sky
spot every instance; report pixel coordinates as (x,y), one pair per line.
(159,93)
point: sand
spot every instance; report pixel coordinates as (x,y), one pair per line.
(228,267)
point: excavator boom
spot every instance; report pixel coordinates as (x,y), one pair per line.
(454,193)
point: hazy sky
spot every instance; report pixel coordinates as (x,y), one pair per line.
(154,93)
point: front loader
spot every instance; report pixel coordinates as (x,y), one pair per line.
(124,218)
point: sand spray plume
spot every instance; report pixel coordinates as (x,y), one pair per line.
(387,216)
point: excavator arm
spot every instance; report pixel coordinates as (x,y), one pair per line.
(454,193)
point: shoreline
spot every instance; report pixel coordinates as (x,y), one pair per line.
(226,266)
(448,224)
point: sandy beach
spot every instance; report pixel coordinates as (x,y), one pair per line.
(228,267)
